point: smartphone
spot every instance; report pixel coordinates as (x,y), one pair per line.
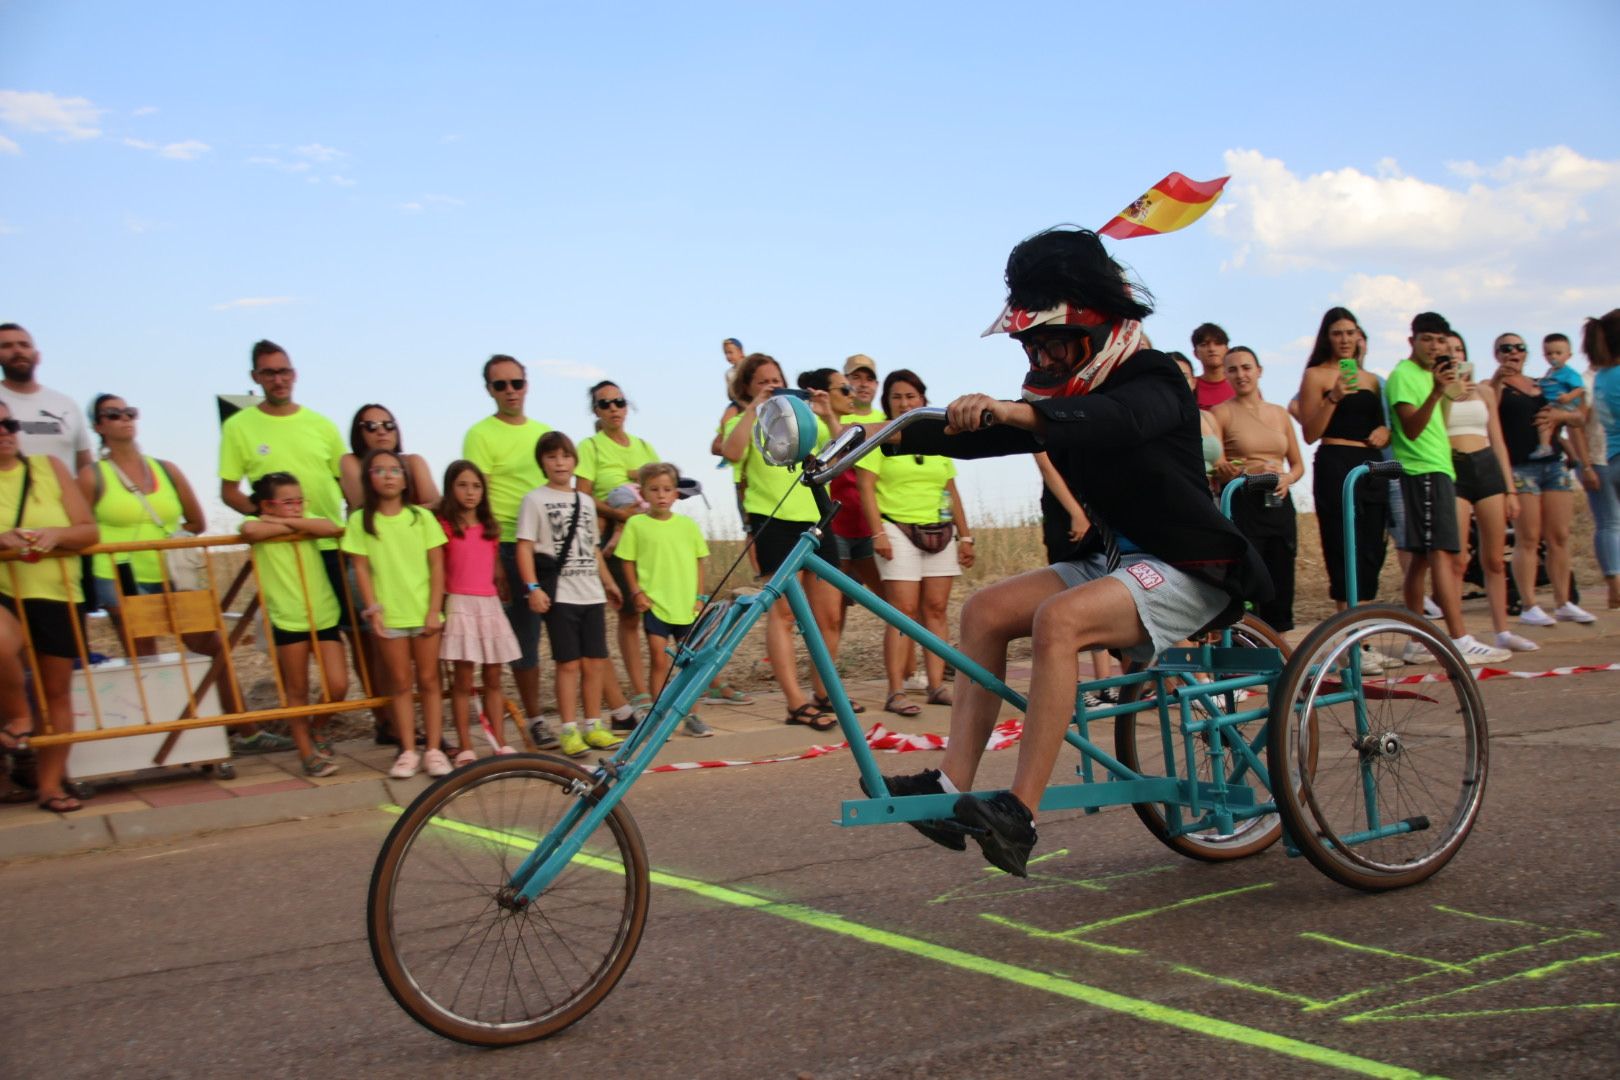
(1348,370)
(1465,370)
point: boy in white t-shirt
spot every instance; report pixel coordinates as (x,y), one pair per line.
(559,523)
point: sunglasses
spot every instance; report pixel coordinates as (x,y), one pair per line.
(840,390)
(10,425)
(501,384)
(611,403)
(386,470)
(1511,348)
(130,413)
(274,372)
(1055,349)
(374,426)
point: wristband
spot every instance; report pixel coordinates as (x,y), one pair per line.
(530,586)
(964,539)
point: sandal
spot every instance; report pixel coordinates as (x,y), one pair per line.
(939,695)
(60,804)
(825,704)
(13,741)
(725,694)
(897,704)
(808,715)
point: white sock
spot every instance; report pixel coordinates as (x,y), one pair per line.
(624,712)
(945,783)
(570,726)
(592,722)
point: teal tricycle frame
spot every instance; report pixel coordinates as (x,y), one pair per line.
(510,896)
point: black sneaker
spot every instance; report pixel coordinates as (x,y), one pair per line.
(1004,829)
(925,783)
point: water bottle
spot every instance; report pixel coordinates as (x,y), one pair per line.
(945,506)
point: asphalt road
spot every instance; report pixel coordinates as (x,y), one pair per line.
(244,953)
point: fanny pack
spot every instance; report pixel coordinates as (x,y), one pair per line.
(927,539)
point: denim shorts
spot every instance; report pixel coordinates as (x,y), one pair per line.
(107,593)
(859,547)
(1535,477)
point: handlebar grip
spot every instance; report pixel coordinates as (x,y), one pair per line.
(1261,481)
(987,418)
(1387,469)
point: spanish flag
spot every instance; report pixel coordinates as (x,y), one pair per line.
(1173,203)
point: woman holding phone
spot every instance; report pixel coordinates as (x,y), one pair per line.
(1341,406)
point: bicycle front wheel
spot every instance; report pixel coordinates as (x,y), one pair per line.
(1397,763)
(452,944)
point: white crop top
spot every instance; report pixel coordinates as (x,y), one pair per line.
(1467,418)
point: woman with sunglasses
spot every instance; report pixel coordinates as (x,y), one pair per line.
(906,497)
(135,498)
(1542,482)
(374,428)
(45,512)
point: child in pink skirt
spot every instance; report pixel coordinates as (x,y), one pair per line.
(476,632)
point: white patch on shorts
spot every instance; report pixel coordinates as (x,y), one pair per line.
(1146,575)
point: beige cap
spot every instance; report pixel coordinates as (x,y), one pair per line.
(860,360)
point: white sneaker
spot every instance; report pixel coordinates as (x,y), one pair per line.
(1534,616)
(918,681)
(1431,610)
(405,765)
(1507,639)
(435,764)
(1568,612)
(1416,653)
(1477,652)
(1374,662)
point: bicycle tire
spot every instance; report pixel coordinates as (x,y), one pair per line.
(444,939)
(1423,753)
(1138,738)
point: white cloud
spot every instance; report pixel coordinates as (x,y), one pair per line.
(417,205)
(35,110)
(144,110)
(9,147)
(253,302)
(189,150)
(1290,221)
(277,163)
(6,227)
(344,181)
(571,369)
(139,225)
(317,152)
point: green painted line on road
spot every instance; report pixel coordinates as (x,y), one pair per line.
(1388,954)
(1059,985)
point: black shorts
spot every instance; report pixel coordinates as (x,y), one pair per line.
(293,637)
(1479,474)
(615,567)
(577,631)
(50,626)
(656,627)
(774,540)
(1430,500)
(333,563)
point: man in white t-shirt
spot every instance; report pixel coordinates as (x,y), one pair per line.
(51,422)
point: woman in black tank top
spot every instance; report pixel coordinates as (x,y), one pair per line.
(1345,413)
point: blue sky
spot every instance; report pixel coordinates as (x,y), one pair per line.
(394,193)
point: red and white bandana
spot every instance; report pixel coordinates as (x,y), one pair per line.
(1124,340)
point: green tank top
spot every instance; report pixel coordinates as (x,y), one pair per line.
(123,519)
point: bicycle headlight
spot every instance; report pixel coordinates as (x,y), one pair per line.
(785,428)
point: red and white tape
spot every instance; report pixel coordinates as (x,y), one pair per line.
(1503,673)
(1007,733)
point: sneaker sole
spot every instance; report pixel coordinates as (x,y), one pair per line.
(1012,858)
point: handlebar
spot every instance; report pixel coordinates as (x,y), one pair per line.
(843,452)
(1387,469)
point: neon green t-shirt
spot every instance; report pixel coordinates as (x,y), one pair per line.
(606,464)
(123,518)
(910,487)
(506,454)
(767,482)
(874,417)
(285,567)
(400,576)
(1430,452)
(305,444)
(666,555)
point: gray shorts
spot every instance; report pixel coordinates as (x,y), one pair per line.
(1172,605)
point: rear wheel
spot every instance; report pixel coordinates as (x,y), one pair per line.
(1139,743)
(458,950)
(1398,760)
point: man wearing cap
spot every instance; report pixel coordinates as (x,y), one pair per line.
(849,527)
(1117,420)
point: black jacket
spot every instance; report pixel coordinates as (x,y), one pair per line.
(1131,452)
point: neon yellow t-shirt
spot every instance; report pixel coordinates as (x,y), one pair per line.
(767,482)
(606,464)
(506,454)
(874,417)
(285,567)
(400,576)
(910,487)
(666,555)
(305,444)
(42,580)
(123,519)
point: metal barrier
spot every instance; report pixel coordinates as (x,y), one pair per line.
(198,619)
